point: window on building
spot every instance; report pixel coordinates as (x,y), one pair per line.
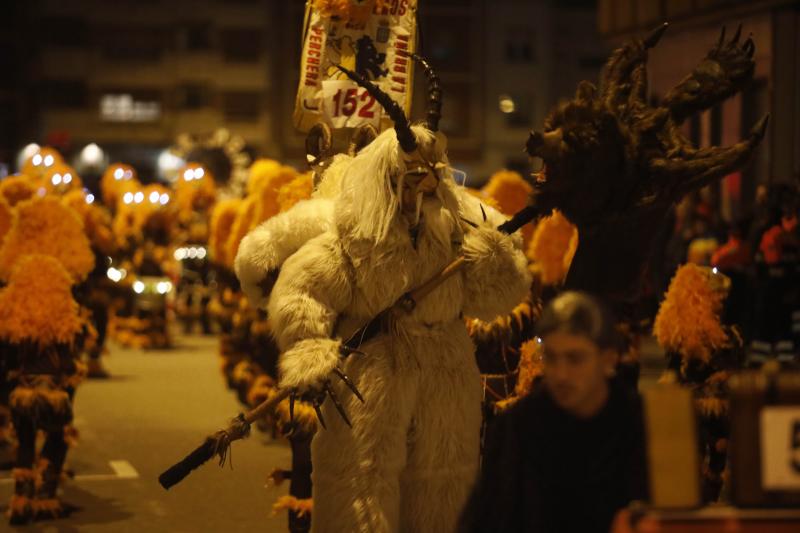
(241,44)
(63,94)
(457,124)
(132,44)
(448,43)
(62,31)
(198,36)
(519,45)
(195,96)
(242,106)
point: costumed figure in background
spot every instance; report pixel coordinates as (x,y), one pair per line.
(615,166)
(408,461)
(144,226)
(7,441)
(195,195)
(43,331)
(702,354)
(97,292)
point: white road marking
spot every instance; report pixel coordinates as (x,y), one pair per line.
(122,470)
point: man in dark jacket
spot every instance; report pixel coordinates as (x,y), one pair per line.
(571,454)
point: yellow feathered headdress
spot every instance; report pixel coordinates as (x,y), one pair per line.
(688,320)
(510,193)
(6,219)
(242,224)
(118,179)
(552,248)
(37,305)
(40,162)
(300,188)
(17,188)
(46,226)
(222,219)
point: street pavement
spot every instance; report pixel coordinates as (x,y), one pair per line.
(158,406)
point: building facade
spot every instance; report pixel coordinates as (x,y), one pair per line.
(131,76)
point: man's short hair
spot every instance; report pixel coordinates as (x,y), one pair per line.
(578,313)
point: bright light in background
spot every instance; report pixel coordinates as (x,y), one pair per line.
(128,198)
(48,160)
(67,177)
(114,274)
(164,199)
(506,104)
(26,153)
(154,196)
(118,174)
(90,198)
(201,253)
(93,155)
(56,179)
(138,287)
(163,287)
(199,173)
(180,254)
(37,160)
(138,197)
(188,174)
(168,165)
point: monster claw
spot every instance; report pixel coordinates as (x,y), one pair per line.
(349,383)
(760,128)
(737,35)
(337,405)
(721,38)
(749,47)
(651,40)
(292,398)
(483,212)
(316,404)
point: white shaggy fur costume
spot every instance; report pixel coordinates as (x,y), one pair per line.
(409,460)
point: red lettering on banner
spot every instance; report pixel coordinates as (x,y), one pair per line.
(313,55)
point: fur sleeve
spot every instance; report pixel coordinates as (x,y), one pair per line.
(496,276)
(267,246)
(314,286)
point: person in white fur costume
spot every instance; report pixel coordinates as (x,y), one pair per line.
(411,456)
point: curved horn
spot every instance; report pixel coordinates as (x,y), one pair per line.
(404,134)
(362,136)
(318,143)
(434,107)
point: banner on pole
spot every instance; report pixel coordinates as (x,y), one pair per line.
(372,37)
